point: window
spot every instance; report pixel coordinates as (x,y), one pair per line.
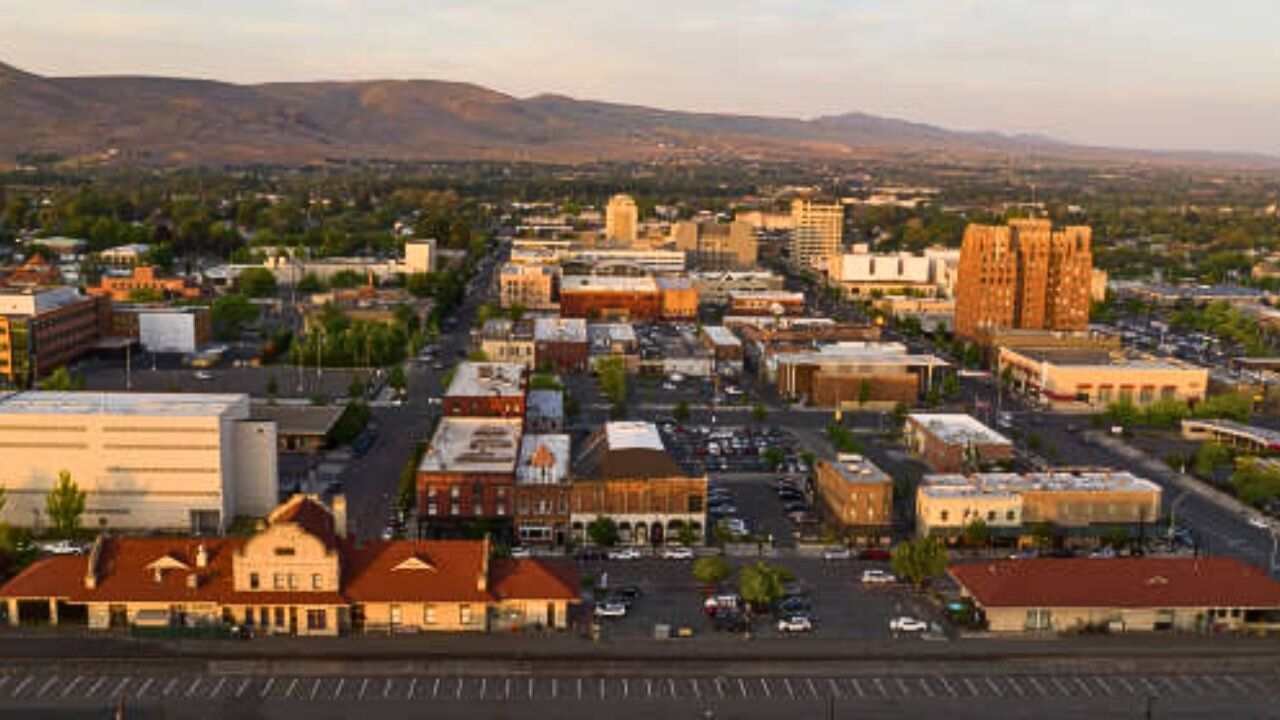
(479,508)
(453,509)
(395,615)
(253,581)
(428,614)
(991,516)
(277,581)
(943,515)
(1009,515)
(263,617)
(284,552)
(1038,619)
(695,503)
(464,614)
(455,492)
(502,509)
(316,619)
(317,582)
(293,581)
(1147,394)
(279,617)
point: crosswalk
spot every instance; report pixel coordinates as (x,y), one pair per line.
(19,688)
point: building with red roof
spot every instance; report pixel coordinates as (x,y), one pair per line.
(299,574)
(1122,594)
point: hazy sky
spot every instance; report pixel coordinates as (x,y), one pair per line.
(1135,73)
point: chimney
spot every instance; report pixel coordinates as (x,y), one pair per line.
(202,556)
(339,509)
(158,574)
(482,580)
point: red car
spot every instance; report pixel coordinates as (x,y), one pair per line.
(874,554)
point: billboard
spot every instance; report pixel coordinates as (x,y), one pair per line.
(167,332)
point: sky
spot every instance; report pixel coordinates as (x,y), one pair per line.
(1163,74)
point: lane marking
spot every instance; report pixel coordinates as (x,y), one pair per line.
(435,689)
(364,685)
(947,685)
(696,692)
(765,684)
(1103,684)
(218,688)
(835,688)
(266,689)
(1195,688)
(1235,683)
(1057,682)
(413,687)
(671,683)
(243,686)
(1083,686)
(994,688)
(315,689)
(506,689)
(1128,686)
(812,689)
(122,685)
(96,685)
(1035,683)
(579,688)
(458,695)
(1150,688)
(554,688)
(1255,682)
(1013,683)
(601,688)
(337,691)
(902,686)
(648,688)
(386,689)
(47,684)
(924,685)
(169,686)
(790,691)
(4,680)
(191,691)
(857,687)
(973,689)
(1173,689)
(880,686)
(531,686)
(72,685)
(142,690)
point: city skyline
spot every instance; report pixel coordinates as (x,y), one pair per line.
(1176,76)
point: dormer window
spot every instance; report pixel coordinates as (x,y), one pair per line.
(284,552)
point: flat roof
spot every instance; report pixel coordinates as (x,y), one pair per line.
(43,299)
(777,295)
(45,402)
(944,485)
(1100,359)
(721,335)
(569,330)
(667,282)
(632,435)
(957,428)
(610,283)
(858,470)
(1262,435)
(543,454)
(545,403)
(473,445)
(606,333)
(861,353)
(298,419)
(487,379)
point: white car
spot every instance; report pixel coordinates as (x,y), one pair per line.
(795,623)
(836,553)
(611,610)
(61,547)
(203,375)
(677,553)
(877,577)
(521,552)
(1259,522)
(908,624)
(624,554)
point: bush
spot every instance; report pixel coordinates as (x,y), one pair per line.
(257,282)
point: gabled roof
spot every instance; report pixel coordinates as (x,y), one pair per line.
(309,514)
(533,579)
(382,571)
(1120,582)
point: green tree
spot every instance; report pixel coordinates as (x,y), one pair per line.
(356,388)
(950,386)
(344,279)
(62,380)
(603,531)
(612,374)
(1042,535)
(775,456)
(397,380)
(864,392)
(762,584)
(145,295)
(1233,406)
(759,413)
(544,381)
(257,282)
(64,505)
(1209,457)
(310,283)
(918,561)
(1255,483)
(686,535)
(681,412)
(711,570)
(230,314)
(977,533)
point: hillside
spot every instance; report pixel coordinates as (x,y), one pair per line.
(167,121)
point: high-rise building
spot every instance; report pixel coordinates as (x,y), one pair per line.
(42,329)
(717,246)
(1024,275)
(817,233)
(622,219)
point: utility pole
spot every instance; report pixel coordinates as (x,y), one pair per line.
(128,369)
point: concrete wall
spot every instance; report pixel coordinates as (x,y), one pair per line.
(257,474)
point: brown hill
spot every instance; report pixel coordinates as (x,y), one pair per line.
(175,121)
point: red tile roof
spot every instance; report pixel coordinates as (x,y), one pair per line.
(369,573)
(534,579)
(1119,582)
(310,515)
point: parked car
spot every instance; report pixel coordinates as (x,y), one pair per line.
(1259,522)
(794,624)
(521,552)
(624,554)
(677,553)
(908,624)
(877,577)
(203,375)
(837,553)
(729,621)
(794,605)
(879,554)
(61,547)
(611,610)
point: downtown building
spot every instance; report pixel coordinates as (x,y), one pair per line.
(817,232)
(42,329)
(1024,275)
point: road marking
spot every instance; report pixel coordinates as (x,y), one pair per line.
(880,686)
(579,688)
(1058,684)
(506,689)
(337,691)
(72,685)
(790,691)
(243,686)
(1103,684)
(458,695)
(4,680)
(696,692)
(835,688)
(671,683)
(386,689)
(1013,683)
(435,689)
(742,685)
(601,688)
(994,688)
(1151,688)
(902,686)
(1080,681)
(812,688)
(143,690)
(364,685)
(1169,683)
(554,689)
(169,686)
(266,689)
(924,685)
(122,684)
(1195,687)
(1212,682)
(95,686)
(531,687)
(1128,686)
(315,689)
(765,684)
(1235,683)
(413,687)
(1035,683)
(1256,683)
(857,687)
(47,684)
(191,691)
(973,689)
(946,684)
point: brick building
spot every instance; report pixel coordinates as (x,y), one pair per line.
(144,278)
(529,286)
(42,329)
(486,389)
(679,298)
(543,490)
(466,478)
(610,298)
(950,441)
(560,344)
(770,302)
(857,497)
(725,347)
(1023,275)
(717,246)
(857,374)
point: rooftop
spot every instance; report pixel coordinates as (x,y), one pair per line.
(632,434)
(721,335)
(626,450)
(544,459)
(611,283)
(861,353)
(767,295)
(487,379)
(35,300)
(1101,359)
(567,330)
(1261,435)
(473,445)
(857,469)
(298,419)
(958,428)
(668,282)
(1139,582)
(1008,484)
(41,402)
(544,404)
(608,333)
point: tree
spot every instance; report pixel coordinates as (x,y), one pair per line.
(759,413)
(977,533)
(356,388)
(775,456)
(711,570)
(230,314)
(62,380)
(1255,483)
(762,584)
(603,531)
(612,373)
(1041,535)
(919,561)
(686,535)
(145,295)
(344,279)
(397,379)
(257,282)
(64,505)
(864,392)
(950,386)
(1209,457)
(1233,406)
(310,283)
(681,412)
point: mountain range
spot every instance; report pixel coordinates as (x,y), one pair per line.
(172,121)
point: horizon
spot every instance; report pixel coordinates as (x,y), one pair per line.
(1129,82)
